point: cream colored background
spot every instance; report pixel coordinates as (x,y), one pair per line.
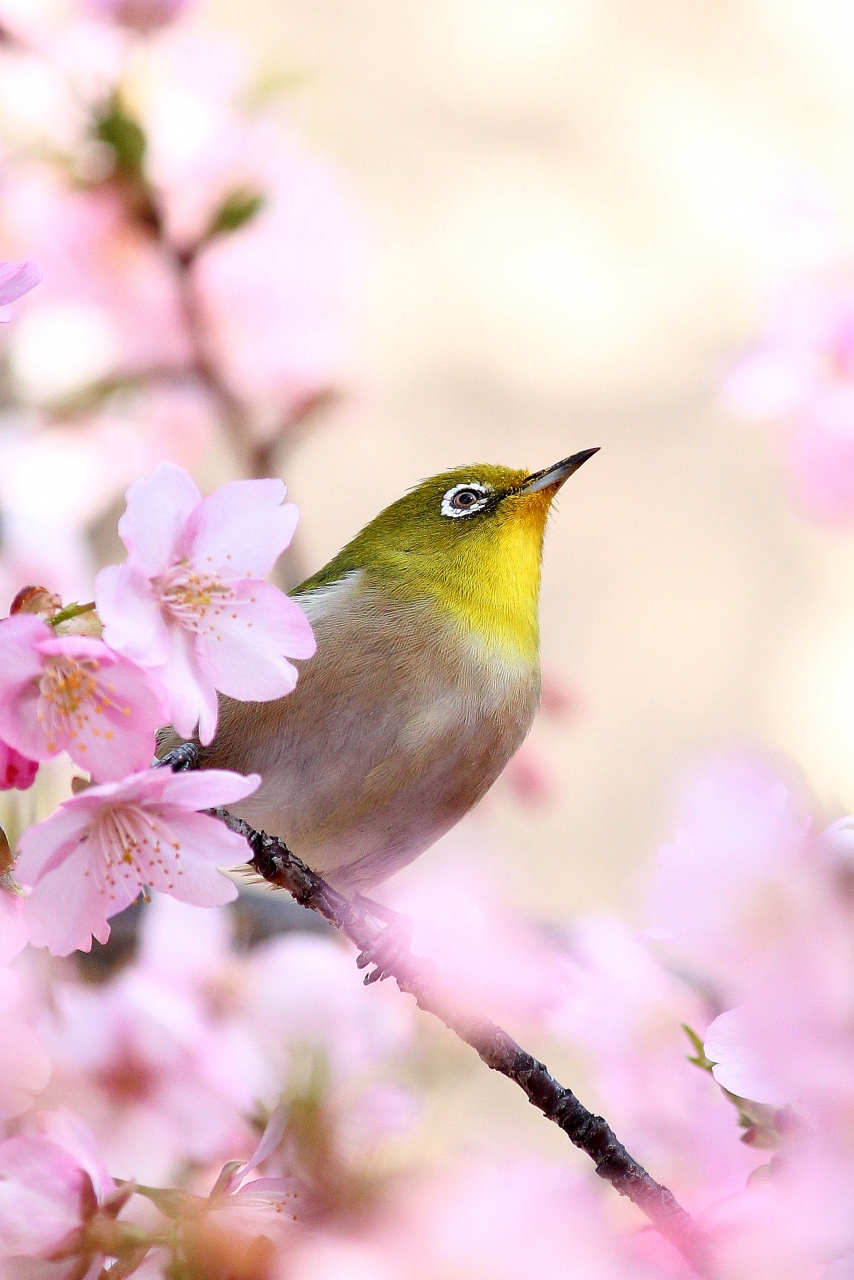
(567,201)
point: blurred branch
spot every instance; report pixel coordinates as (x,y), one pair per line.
(117,129)
(379,946)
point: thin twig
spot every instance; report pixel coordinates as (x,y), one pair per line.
(273,860)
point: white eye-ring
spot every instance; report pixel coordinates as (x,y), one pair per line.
(465,499)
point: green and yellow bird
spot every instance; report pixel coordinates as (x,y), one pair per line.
(425,681)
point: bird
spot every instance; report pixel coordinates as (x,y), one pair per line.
(425,681)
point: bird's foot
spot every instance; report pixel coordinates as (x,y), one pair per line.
(180,759)
(391,945)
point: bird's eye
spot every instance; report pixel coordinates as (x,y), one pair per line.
(465,499)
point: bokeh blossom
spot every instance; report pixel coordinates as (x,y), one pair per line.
(92,857)
(156,1075)
(53,1184)
(140,15)
(72,693)
(191,603)
(25,1066)
(799,377)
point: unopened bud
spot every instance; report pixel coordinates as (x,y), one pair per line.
(36,600)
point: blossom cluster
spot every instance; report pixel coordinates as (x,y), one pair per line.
(200,267)
(798,375)
(188,616)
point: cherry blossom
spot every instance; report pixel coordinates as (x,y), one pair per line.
(16,770)
(91,858)
(52,1185)
(799,377)
(485,958)
(723,886)
(16,279)
(242,1215)
(156,1075)
(190,602)
(306,990)
(74,694)
(627,1013)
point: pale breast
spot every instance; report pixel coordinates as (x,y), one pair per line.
(397,727)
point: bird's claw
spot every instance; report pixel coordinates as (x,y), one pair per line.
(389,947)
(180,759)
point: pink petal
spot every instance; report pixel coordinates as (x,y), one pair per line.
(271,1140)
(200,884)
(133,622)
(241,529)
(16,279)
(157,509)
(209,841)
(21,728)
(192,696)
(19,657)
(39,1196)
(69,1132)
(45,844)
(738,1062)
(7,315)
(116,742)
(207,789)
(66,910)
(13,931)
(25,1067)
(247,656)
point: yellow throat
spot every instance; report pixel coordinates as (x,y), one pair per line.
(471,541)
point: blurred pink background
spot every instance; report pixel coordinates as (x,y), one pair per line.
(574,209)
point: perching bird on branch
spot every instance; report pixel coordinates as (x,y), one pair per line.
(425,681)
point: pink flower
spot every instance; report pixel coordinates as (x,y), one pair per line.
(160,1079)
(279,295)
(190,602)
(484,959)
(306,990)
(627,1012)
(518,1218)
(800,377)
(91,858)
(141,15)
(16,279)
(109,303)
(725,887)
(52,1184)
(239,1213)
(72,693)
(16,770)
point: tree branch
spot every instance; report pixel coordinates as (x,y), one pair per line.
(273,860)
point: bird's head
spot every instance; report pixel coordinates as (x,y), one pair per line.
(471,539)
(455,522)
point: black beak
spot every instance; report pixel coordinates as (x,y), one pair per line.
(553,477)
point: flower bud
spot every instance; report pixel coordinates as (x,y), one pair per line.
(36,600)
